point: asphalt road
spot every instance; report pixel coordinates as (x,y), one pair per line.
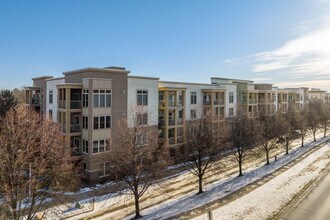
(314,206)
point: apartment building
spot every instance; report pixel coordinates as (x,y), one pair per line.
(88,103)
(180,102)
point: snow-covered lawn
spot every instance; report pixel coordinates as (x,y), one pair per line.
(269,198)
(179,192)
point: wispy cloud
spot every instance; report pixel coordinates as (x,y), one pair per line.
(301,61)
(304,55)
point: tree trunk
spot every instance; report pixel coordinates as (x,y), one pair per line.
(137,206)
(302,141)
(267,157)
(314,135)
(325,130)
(286,146)
(200,184)
(240,168)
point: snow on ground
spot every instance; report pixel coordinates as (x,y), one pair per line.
(219,189)
(182,195)
(269,198)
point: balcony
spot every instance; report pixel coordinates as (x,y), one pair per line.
(75,152)
(180,103)
(62,104)
(171,122)
(161,103)
(171,103)
(180,121)
(75,104)
(171,141)
(206,102)
(219,102)
(35,100)
(75,128)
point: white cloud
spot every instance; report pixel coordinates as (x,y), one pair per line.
(262,79)
(304,55)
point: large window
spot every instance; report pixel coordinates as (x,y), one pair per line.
(50,96)
(85,146)
(231,97)
(102,122)
(85,122)
(102,98)
(100,146)
(142,97)
(193,98)
(142,119)
(85,98)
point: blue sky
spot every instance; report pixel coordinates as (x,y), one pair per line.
(280,41)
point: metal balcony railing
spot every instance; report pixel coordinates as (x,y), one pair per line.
(171,103)
(75,104)
(171,122)
(206,102)
(180,121)
(61,104)
(171,141)
(75,128)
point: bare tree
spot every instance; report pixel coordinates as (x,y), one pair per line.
(206,139)
(289,127)
(301,124)
(244,137)
(313,116)
(33,164)
(138,161)
(325,117)
(273,128)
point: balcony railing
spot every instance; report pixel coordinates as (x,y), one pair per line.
(75,128)
(171,141)
(161,103)
(35,100)
(180,121)
(219,102)
(61,104)
(171,122)
(161,122)
(206,102)
(180,103)
(171,103)
(75,152)
(75,104)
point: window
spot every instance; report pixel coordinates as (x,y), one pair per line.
(231,111)
(85,122)
(104,169)
(142,97)
(100,146)
(193,98)
(85,98)
(85,146)
(102,98)
(96,123)
(50,96)
(142,119)
(50,113)
(102,122)
(96,98)
(231,97)
(193,114)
